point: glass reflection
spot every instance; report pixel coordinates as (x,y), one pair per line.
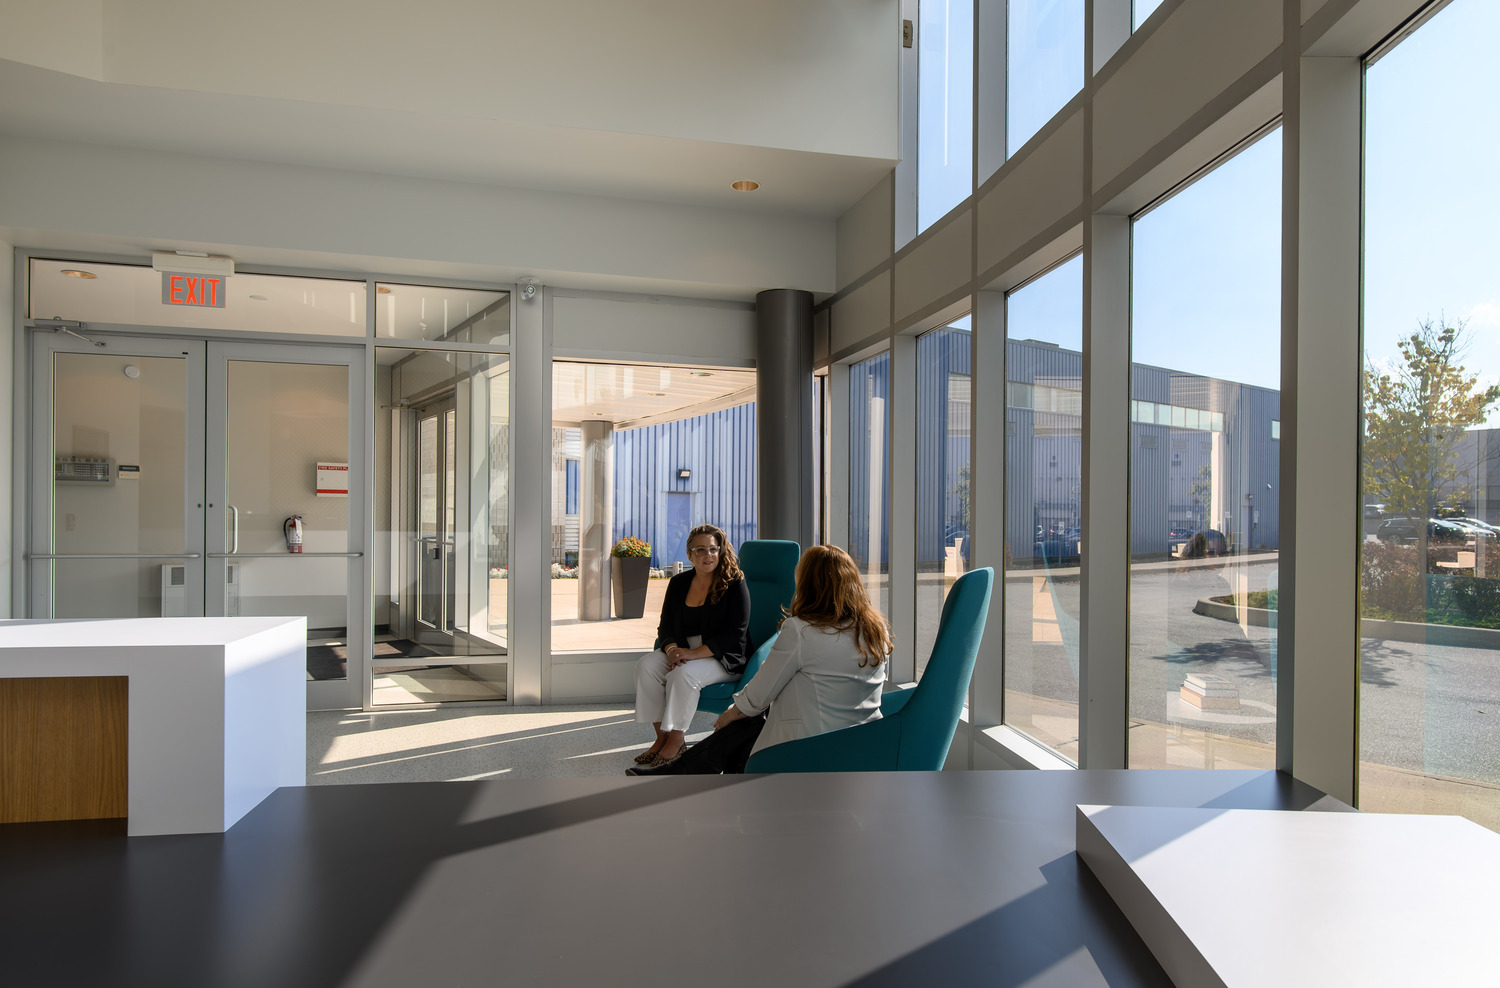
(1205,469)
(869,481)
(1429,567)
(1043,486)
(943,442)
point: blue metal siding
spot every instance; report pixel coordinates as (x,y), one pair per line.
(869,382)
(941,455)
(719,451)
(1044,455)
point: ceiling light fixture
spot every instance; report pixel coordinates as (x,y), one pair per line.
(701,373)
(745,185)
(657,394)
(75,273)
(260,298)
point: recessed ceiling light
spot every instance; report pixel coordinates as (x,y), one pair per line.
(75,273)
(382,290)
(745,185)
(657,394)
(260,298)
(702,373)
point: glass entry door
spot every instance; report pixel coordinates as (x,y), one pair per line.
(437,426)
(165,473)
(285,505)
(116,485)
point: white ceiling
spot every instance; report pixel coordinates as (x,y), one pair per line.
(631,395)
(656,100)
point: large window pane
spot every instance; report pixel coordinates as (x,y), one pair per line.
(1430,572)
(441,566)
(1043,514)
(1141,10)
(1045,68)
(453,315)
(943,402)
(869,480)
(647,452)
(945,114)
(1204,469)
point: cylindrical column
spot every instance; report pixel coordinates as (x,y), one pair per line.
(596,484)
(783,413)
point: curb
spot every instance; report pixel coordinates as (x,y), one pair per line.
(1414,632)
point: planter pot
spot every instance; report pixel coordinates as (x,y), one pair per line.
(627,579)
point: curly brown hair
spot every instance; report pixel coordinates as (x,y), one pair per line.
(830,594)
(728,569)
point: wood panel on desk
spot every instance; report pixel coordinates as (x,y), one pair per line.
(63,748)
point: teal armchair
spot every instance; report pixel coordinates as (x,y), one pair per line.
(770,568)
(916,726)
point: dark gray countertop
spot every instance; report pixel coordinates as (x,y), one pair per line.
(914,878)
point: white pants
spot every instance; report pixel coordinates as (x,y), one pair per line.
(671,698)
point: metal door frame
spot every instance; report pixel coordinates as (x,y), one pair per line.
(40,557)
(352,690)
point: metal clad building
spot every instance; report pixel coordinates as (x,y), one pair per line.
(654,503)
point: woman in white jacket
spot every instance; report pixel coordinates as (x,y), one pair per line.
(824,672)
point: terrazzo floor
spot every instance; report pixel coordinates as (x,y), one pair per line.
(463,743)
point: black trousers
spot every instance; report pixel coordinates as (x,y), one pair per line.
(724,751)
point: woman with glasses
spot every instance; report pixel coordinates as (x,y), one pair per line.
(700,641)
(824,672)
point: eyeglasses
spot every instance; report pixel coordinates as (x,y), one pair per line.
(704,550)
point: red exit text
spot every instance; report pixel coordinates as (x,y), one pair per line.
(192,289)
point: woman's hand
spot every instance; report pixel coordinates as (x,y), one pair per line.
(728,717)
(677,655)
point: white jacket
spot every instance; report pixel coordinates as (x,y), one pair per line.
(812,682)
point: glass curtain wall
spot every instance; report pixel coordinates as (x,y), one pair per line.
(1429,565)
(1204,468)
(945,113)
(1045,64)
(869,478)
(943,442)
(1043,513)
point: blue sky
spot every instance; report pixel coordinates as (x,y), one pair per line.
(1431,151)
(1206,265)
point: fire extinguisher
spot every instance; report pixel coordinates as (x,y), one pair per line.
(292,529)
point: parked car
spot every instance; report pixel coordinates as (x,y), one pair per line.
(1439,531)
(1057,552)
(1475,525)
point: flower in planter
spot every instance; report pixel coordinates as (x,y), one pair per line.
(631,548)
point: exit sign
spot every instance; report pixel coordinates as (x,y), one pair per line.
(192,289)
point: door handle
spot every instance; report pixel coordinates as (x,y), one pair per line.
(234,531)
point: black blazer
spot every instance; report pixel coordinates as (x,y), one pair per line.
(725,624)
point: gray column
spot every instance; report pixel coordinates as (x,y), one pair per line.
(530,468)
(783,413)
(595,496)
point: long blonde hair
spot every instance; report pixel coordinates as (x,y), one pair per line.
(728,569)
(830,594)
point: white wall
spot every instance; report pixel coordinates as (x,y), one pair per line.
(50,190)
(640,328)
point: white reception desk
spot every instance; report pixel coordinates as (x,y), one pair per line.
(217,707)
